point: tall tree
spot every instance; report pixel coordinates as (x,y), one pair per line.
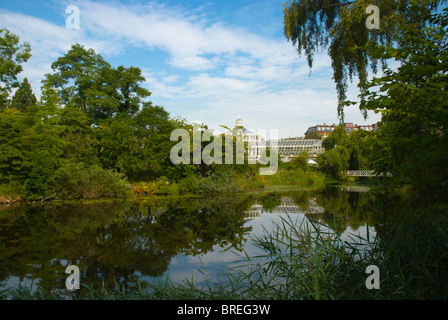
(24,96)
(14,149)
(12,55)
(413,101)
(340,27)
(86,81)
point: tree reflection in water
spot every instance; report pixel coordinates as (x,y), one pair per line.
(119,242)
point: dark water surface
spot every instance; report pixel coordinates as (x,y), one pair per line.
(123,242)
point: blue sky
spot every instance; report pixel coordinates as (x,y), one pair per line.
(207,61)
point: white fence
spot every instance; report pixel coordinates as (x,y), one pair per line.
(364,173)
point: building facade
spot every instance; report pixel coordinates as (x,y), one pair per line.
(290,148)
(325,129)
(256,143)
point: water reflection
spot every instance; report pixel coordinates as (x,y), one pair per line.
(124,242)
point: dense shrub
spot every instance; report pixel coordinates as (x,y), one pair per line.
(208,184)
(162,185)
(11,192)
(296,177)
(77,181)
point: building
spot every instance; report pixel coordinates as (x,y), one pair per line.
(287,148)
(255,141)
(290,148)
(325,129)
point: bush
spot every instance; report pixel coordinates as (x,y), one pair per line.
(209,184)
(253,184)
(144,188)
(166,186)
(76,181)
(11,192)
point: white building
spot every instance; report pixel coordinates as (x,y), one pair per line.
(255,142)
(290,148)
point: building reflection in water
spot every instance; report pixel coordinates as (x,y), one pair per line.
(313,211)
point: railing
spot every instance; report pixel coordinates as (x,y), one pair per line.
(360,173)
(364,173)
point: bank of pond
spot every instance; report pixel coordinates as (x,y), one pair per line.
(76,181)
(302,243)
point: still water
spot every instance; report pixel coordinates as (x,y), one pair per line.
(122,242)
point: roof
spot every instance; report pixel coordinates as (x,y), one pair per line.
(296,142)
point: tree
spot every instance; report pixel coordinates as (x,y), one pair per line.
(84,80)
(24,96)
(340,26)
(301,160)
(44,140)
(12,55)
(153,129)
(75,76)
(130,94)
(118,147)
(313,135)
(347,152)
(335,161)
(14,150)
(337,137)
(413,101)
(362,145)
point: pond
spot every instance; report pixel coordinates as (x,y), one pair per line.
(123,242)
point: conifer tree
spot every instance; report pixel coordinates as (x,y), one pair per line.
(24,96)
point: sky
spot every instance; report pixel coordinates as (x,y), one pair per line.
(204,61)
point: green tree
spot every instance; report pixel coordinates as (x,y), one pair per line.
(46,154)
(139,145)
(301,160)
(413,101)
(14,150)
(117,143)
(340,27)
(362,145)
(12,55)
(337,137)
(84,80)
(358,149)
(335,161)
(80,144)
(76,131)
(130,93)
(313,135)
(75,76)
(153,129)
(24,96)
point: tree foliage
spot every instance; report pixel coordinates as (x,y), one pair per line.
(12,55)
(93,120)
(340,27)
(84,80)
(413,101)
(354,151)
(24,96)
